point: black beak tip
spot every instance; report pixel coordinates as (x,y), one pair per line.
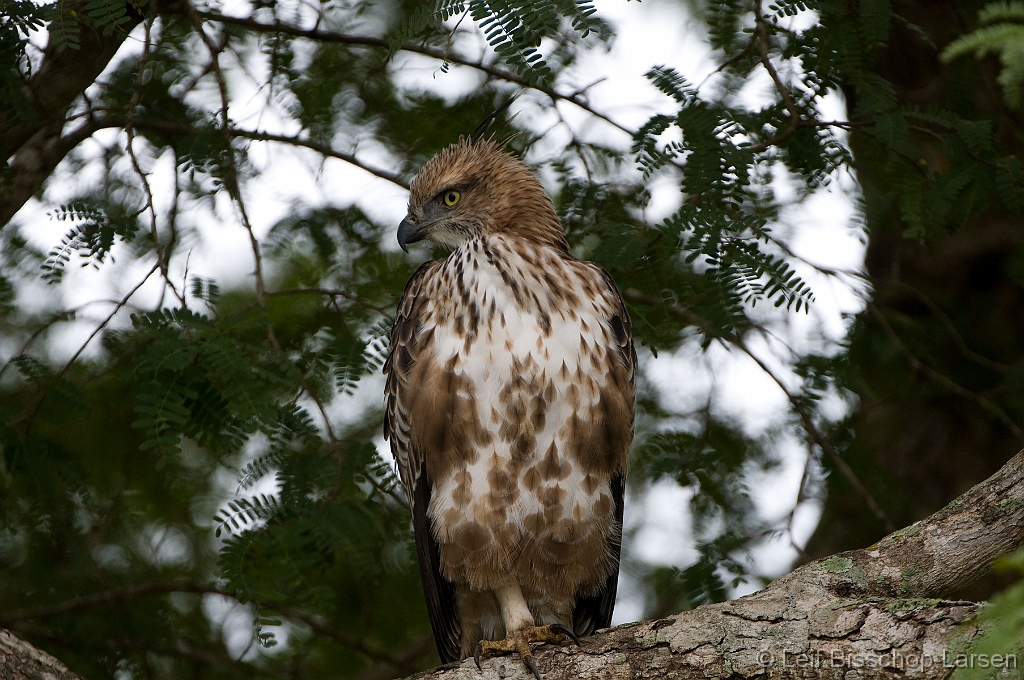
(408,232)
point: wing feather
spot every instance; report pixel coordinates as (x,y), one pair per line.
(407,345)
(595,612)
(438,591)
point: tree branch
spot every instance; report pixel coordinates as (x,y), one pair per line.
(441,55)
(33,142)
(21,661)
(63,76)
(861,611)
(815,437)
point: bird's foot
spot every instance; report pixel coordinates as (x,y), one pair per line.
(519,642)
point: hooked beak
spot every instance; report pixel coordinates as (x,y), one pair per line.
(410,232)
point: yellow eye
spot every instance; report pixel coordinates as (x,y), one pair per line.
(451,198)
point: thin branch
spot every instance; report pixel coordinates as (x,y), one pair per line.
(170,128)
(943,380)
(441,55)
(795,115)
(951,329)
(104,598)
(15,619)
(232,184)
(806,418)
(67,315)
(324,149)
(236,192)
(103,324)
(334,293)
(179,649)
(828,271)
(129,128)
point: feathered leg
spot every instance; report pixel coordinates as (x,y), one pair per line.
(522,630)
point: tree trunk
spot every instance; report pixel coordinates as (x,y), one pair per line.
(943,336)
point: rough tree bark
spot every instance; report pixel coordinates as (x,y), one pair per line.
(21,661)
(34,142)
(877,612)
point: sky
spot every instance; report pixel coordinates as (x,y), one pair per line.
(822,230)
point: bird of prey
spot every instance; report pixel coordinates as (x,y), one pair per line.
(509,409)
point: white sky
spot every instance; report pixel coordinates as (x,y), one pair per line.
(822,229)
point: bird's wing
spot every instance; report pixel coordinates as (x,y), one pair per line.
(595,612)
(404,368)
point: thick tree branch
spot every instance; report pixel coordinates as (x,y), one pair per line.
(32,141)
(49,150)
(862,611)
(63,75)
(21,661)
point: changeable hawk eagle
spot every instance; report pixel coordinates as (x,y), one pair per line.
(509,408)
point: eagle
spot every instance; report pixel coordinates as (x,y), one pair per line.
(509,406)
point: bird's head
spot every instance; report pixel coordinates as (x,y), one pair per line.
(473,189)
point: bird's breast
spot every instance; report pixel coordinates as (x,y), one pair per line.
(526,343)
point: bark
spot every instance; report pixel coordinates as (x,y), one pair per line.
(878,611)
(21,661)
(32,142)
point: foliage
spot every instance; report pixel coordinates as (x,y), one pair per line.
(1002,624)
(209,467)
(1001,32)
(18,19)
(92,238)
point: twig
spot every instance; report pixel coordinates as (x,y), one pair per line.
(106,597)
(795,116)
(232,184)
(806,419)
(129,128)
(950,327)
(179,649)
(236,191)
(317,625)
(823,443)
(66,315)
(86,130)
(324,149)
(110,317)
(333,293)
(442,55)
(943,380)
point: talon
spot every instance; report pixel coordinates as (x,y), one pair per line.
(566,631)
(531,663)
(518,642)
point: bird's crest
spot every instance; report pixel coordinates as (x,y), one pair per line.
(482,129)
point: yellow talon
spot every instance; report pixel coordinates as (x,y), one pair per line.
(519,642)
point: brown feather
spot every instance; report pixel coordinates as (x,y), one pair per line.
(509,403)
